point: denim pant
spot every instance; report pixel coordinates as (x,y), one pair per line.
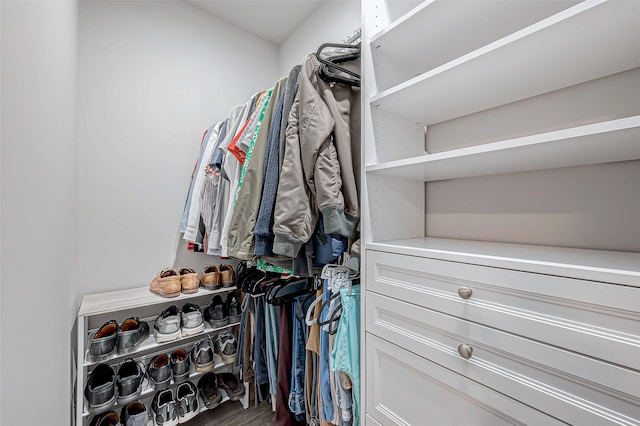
(273,331)
(260,346)
(346,352)
(325,379)
(298,360)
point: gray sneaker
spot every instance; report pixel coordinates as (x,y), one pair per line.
(163,408)
(187,398)
(103,341)
(180,365)
(159,372)
(132,333)
(167,326)
(134,414)
(226,346)
(129,382)
(202,355)
(100,389)
(192,320)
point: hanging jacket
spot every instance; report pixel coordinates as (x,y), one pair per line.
(311,177)
(193,220)
(233,169)
(240,239)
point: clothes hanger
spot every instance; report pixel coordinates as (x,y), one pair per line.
(332,63)
(290,291)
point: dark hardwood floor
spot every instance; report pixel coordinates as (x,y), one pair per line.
(232,414)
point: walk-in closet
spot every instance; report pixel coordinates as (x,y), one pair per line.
(319,212)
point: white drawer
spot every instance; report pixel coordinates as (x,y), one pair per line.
(570,387)
(596,319)
(405,389)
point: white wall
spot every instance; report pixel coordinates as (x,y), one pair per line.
(153,77)
(39,209)
(333,21)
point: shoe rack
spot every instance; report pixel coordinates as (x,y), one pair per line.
(119,305)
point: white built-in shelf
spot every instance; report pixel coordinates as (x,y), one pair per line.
(447,29)
(604,142)
(590,40)
(100,303)
(150,343)
(596,265)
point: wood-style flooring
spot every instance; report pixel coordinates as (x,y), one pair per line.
(232,414)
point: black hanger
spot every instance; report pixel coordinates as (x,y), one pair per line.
(324,71)
(289,291)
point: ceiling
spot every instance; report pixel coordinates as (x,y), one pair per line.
(272,20)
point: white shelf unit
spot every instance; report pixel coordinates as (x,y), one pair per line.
(560,51)
(424,28)
(435,73)
(608,141)
(95,308)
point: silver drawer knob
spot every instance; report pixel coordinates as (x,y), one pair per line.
(465,350)
(465,292)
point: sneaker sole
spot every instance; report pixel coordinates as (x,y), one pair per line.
(167,295)
(126,400)
(133,348)
(234,319)
(228,359)
(169,423)
(165,338)
(211,287)
(227,285)
(186,332)
(99,358)
(219,323)
(102,408)
(212,403)
(206,367)
(191,290)
(188,417)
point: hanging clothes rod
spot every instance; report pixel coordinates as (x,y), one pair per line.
(353,37)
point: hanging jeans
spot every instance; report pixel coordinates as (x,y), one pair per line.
(273,332)
(346,351)
(325,379)
(298,361)
(260,351)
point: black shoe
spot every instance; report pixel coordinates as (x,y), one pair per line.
(232,385)
(233,308)
(180,365)
(106,419)
(132,333)
(129,382)
(216,313)
(100,389)
(159,372)
(209,392)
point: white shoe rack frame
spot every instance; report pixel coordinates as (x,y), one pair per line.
(119,305)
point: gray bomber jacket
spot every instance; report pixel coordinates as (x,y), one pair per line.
(317,173)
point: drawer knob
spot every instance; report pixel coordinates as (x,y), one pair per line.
(465,350)
(465,292)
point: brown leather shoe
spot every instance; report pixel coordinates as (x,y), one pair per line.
(166,284)
(210,277)
(189,280)
(227,276)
